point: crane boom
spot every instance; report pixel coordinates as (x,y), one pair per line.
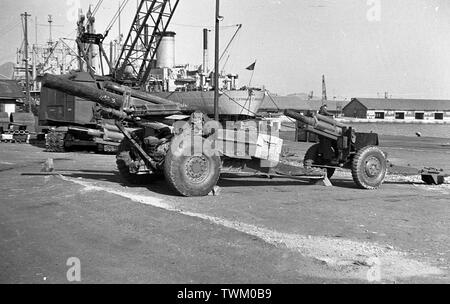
(151,22)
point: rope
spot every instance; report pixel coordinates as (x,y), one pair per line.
(243,107)
(116,16)
(279,110)
(99,3)
(273,101)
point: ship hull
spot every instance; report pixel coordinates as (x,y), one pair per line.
(244,102)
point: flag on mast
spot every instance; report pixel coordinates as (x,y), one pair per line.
(252,66)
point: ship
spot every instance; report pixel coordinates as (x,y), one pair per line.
(192,86)
(231,103)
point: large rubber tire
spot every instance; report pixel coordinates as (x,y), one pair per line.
(369,168)
(191,175)
(124,158)
(312,158)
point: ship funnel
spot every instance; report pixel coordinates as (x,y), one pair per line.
(165,55)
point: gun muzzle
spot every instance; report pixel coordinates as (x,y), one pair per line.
(319,122)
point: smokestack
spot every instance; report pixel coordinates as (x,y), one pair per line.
(205,51)
(165,54)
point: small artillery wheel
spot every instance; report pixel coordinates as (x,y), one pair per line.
(312,157)
(369,168)
(192,174)
(125,159)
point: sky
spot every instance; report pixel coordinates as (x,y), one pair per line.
(364,47)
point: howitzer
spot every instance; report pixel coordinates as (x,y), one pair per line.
(340,146)
(185,152)
(145,153)
(192,155)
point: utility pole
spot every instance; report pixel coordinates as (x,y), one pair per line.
(27,80)
(216,63)
(35,31)
(35,50)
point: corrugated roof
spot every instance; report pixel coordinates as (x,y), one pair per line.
(405,104)
(297,103)
(10,89)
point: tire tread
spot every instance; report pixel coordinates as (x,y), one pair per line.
(356,166)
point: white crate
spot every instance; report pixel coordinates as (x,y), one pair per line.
(269,147)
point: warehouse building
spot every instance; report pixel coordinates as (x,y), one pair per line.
(11,96)
(406,110)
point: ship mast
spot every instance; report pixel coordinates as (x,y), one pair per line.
(324,90)
(27,81)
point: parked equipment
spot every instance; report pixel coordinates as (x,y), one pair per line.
(72,117)
(154,145)
(340,146)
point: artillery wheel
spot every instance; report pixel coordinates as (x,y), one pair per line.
(369,168)
(312,157)
(124,160)
(191,174)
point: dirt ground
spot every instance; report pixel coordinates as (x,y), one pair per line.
(256,231)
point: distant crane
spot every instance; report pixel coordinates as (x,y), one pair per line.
(139,50)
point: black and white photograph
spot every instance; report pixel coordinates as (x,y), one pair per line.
(224,147)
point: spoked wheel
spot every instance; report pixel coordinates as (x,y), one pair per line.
(312,157)
(125,160)
(369,168)
(191,174)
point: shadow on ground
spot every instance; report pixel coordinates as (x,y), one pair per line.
(160,186)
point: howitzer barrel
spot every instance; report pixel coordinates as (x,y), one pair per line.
(298,116)
(63,84)
(116,114)
(331,121)
(318,122)
(137,94)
